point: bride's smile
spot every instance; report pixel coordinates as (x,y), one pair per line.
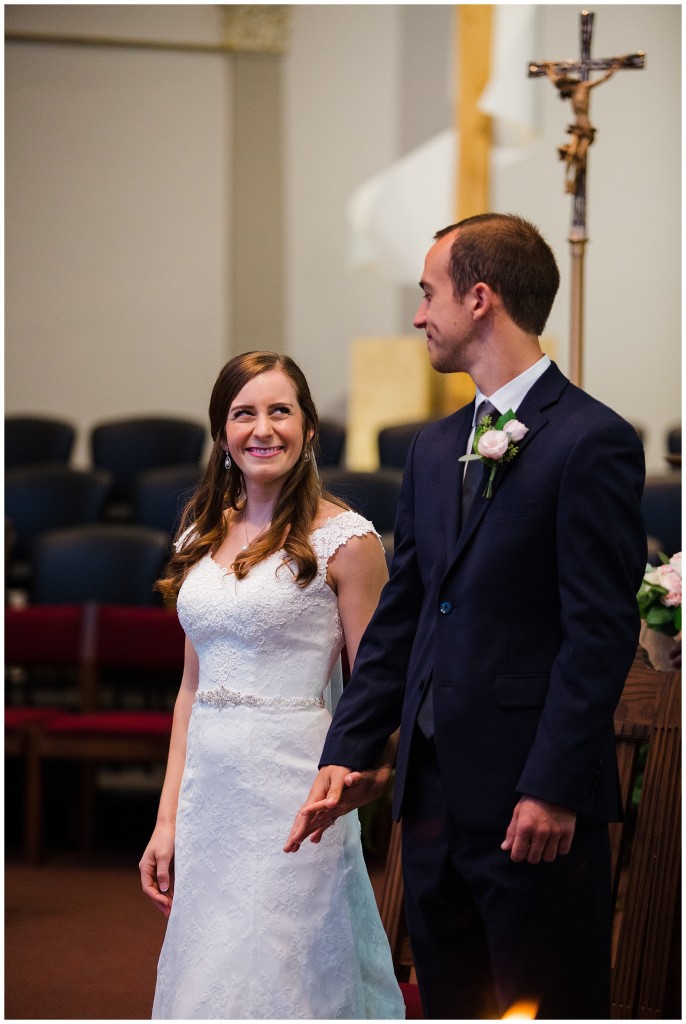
(265,430)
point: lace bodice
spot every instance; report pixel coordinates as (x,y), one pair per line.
(265,635)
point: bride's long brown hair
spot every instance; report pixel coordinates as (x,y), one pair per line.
(296,508)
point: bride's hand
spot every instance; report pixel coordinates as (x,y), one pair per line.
(156,868)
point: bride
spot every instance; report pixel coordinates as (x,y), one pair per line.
(273,577)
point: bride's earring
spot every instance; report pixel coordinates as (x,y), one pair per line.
(309,457)
(227,460)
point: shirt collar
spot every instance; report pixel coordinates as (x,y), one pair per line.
(512,394)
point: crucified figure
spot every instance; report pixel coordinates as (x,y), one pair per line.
(582,131)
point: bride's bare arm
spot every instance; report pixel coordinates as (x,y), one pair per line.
(155,864)
(357,574)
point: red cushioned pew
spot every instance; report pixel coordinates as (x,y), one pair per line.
(91,638)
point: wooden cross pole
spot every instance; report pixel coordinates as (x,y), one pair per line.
(574,153)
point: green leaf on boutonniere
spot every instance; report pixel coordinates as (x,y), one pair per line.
(505,418)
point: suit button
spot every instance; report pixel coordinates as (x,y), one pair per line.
(445,607)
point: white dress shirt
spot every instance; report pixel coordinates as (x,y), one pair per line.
(510,395)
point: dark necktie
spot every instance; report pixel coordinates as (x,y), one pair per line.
(473,478)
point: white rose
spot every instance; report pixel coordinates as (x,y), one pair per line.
(493,444)
(515,430)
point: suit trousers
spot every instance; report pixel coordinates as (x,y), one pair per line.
(487,933)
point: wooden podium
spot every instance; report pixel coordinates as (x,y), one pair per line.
(391,381)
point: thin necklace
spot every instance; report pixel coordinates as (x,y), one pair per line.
(264,526)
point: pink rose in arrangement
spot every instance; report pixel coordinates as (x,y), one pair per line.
(515,430)
(670,579)
(659,597)
(493,444)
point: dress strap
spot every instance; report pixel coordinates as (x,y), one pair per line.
(337,531)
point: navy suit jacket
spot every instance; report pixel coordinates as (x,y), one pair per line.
(525,616)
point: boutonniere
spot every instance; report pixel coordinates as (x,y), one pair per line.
(495,444)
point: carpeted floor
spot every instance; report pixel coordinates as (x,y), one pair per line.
(81,940)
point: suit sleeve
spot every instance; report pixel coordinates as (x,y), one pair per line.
(601,553)
(370,708)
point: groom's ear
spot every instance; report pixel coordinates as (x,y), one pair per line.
(481,298)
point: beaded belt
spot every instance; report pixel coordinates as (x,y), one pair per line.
(223,698)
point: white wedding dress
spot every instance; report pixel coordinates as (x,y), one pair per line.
(256,933)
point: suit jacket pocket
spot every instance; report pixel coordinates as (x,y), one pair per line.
(521,691)
(512,510)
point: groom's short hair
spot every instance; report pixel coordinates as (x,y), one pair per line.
(510,255)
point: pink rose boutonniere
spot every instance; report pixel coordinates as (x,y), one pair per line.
(495,444)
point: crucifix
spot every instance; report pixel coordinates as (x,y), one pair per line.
(572,79)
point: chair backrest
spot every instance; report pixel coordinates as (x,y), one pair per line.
(331,443)
(129,446)
(673,439)
(99,562)
(138,657)
(661,507)
(673,454)
(39,498)
(90,639)
(138,638)
(646,854)
(394,443)
(159,495)
(54,638)
(31,440)
(44,635)
(374,494)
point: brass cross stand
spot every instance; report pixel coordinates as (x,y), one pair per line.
(574,153)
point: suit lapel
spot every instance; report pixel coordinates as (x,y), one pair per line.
(451,470)
(545,392)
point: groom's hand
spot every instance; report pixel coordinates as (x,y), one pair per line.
(321,807)
(335,792)
(539,831)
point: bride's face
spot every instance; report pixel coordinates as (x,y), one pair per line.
(264,428)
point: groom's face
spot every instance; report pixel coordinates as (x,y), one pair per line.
(445,318)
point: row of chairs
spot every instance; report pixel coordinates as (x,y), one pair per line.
(123,448)
(50,497)
(56,540)
(128,445)
(47,497)
(91,666)
(57,551)
(106,562)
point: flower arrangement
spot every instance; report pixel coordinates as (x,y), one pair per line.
(659,597)
(496,444)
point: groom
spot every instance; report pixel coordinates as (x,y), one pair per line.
(500,646)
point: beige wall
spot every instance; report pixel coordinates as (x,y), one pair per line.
(341,121)
(123,292)
(116,223)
